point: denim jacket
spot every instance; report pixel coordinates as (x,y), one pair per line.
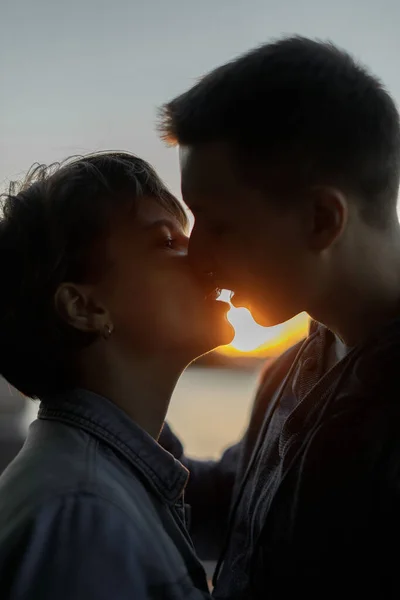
(92,507)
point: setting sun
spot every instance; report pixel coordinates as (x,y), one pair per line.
(253,339)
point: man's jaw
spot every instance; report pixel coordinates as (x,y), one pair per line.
(243,300)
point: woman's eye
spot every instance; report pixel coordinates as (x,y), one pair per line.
(174,242)
(169,243)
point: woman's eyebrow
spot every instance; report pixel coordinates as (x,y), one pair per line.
(162,223)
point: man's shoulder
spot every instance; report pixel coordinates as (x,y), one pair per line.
(276,369)
(272,377)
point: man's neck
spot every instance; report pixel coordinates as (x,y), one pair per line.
(367,294)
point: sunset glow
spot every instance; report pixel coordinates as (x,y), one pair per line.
(252,339)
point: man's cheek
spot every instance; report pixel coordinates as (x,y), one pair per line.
(230,264)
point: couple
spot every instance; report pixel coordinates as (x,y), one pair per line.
(290,161)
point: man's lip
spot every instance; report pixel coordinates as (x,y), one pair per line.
(238,300)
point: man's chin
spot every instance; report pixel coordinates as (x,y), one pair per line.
(269,318)
(263,314)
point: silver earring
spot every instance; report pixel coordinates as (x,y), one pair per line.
(107,331)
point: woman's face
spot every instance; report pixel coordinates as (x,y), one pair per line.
(156,303)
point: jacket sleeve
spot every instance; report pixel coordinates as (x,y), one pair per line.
(208,493)
(83,547)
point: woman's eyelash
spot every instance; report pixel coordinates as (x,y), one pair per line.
(169,242)
(175,242)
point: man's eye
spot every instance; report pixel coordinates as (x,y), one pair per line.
(218,229)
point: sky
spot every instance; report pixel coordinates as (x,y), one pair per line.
(85,75)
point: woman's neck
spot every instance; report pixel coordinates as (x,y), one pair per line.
(142,389)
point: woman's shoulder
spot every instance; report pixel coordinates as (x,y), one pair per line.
(70,509)
(58,461)
(81,542)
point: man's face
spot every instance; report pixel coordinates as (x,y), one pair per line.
(254,246)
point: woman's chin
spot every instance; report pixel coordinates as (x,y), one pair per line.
(228,334)
(214,338)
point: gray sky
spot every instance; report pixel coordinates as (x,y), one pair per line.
(85,75)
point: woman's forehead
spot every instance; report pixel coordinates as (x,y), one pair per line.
(150,213)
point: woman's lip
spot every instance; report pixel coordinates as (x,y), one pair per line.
(213,294)
(212,299)
(225,306)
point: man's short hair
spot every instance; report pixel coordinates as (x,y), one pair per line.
(53,229)
(304,107)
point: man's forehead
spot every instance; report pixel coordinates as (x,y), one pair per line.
(207,152)
(206,169)
(184,155)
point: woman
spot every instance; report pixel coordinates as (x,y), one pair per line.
(100,314)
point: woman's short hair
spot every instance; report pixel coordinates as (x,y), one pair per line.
(51,230)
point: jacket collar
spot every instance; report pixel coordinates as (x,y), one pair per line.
(102,419)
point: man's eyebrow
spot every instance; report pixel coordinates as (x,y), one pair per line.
(196,209)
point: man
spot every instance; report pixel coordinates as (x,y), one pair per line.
(290,159)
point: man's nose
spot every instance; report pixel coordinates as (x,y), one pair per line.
(199,252)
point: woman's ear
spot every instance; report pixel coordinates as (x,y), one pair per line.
(77,305)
